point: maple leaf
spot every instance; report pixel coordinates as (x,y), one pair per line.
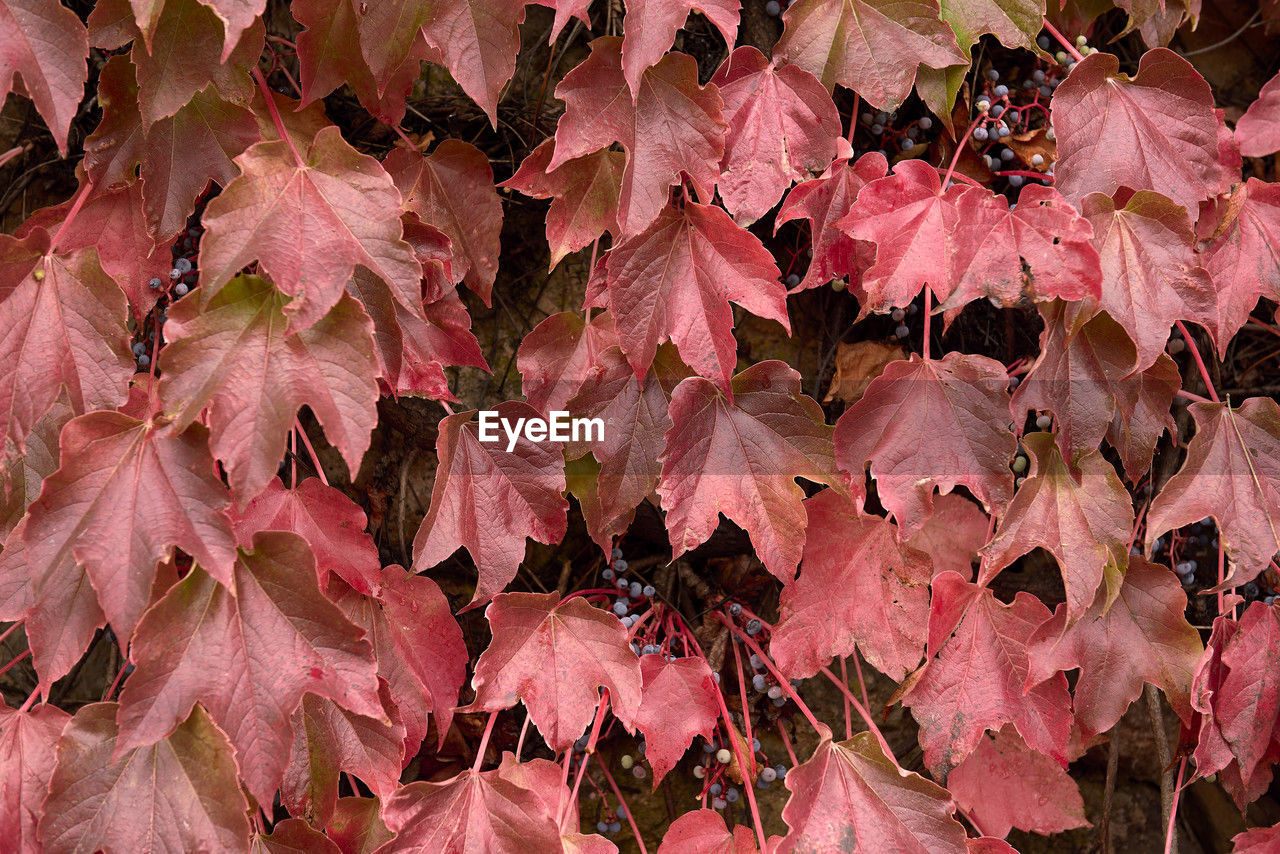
(1004,784)
(1231,474)
(545,779)
(476,811)
(291,836)
(741,457)
(650,26)
(308,224)
(63,322)
(329,740)
(178,793)
(1259,840)
(1242,259)
(115,148)
(978,680)
(113,222)
(127,492)
(332,524)
(1083,518)
(356,826)
(636,419)
(44,42)
(419,647)
(584,193)
(477,40)
(783,127)
(188,150)
(234,358)
(552,655)
(850,795)
(1140,635)
(953,534)
(1161,135)
(1016,23)
(1150,272)
(249,652)
(858,589)
(452,189)
(1258,130)
(487,499)
(599,111)
(824,201)
(169,78)
(27,742)
(704,832)
(557,355)
(896,425)
(677,702)
(1142,414)
(871,46)
(675,280)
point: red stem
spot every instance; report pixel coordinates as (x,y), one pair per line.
(1062,40)
(848,720)
(21,657)
(520,743)
(30,701)
(862,683)
(1173,806)
(306,441)
(1183,393)
(928,309)
(746,712)
(783,683)
(116,682)
(617,793)
(747,784)
(4,637)
(1195,354)
(81,198)
(275,115)
(484,742)
(786,742)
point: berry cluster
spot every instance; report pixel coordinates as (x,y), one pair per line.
(179,281)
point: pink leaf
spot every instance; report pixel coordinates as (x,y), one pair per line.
(557,355)
(704,832)
(650,26)
(45,43)
(1242,259)
(677,702)
(27,742)
(1258,130)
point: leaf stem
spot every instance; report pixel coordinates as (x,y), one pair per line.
(315,460)
(16,661)
(30,701)
(81,198)
(746,709)
(275,115)
(928,310)
(524,729)
(1173,807)
(747,784)
(1195,354)
(13,628)
(116,682)
(1062,40)
(786,742)
(484,743)
(848,719)
(617,793)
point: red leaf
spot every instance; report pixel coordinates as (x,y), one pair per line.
(557,355)
(1161,134)
(741,458)
(545,779)
(356,826)
(636,419)
(1141,636)
(115,148)
(896,426)
(1082,518)
(1232,473)
(977,682)
(1005,784)
(477,40)
(329,54)
(168,78)
(179,793)
(704,832)
(650,27)
(308,225)
(1150,276)
(672,126)
(187,151)
(1142,414)
(1243,260)
(63,323)
(1258,130)
(953,535)
(487,499)
(249,653)
(126,494)
(678,701)
(27,742)
(234,358)
(871,46)
(584,193)
(291,836)
(858,589)
(824,201)
(452,189)
(45,43)
(473,812)
(553,655)
(331,523)
(850,795)
(783,127)
(418,645)
(329,740)
(675,281)
(1260,840)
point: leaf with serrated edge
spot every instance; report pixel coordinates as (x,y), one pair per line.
(45,43)
(677,702)
(27,758)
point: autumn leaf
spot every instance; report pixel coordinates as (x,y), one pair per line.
(1257,129)
(290,836)
(1016,23)
(741,457)
(557,356)
(953,535)
(27,759)
(677,702)
(704,832)
(488,499)
(857,364)
(1242,259)
(552,655)
(234,359)
(44,42)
